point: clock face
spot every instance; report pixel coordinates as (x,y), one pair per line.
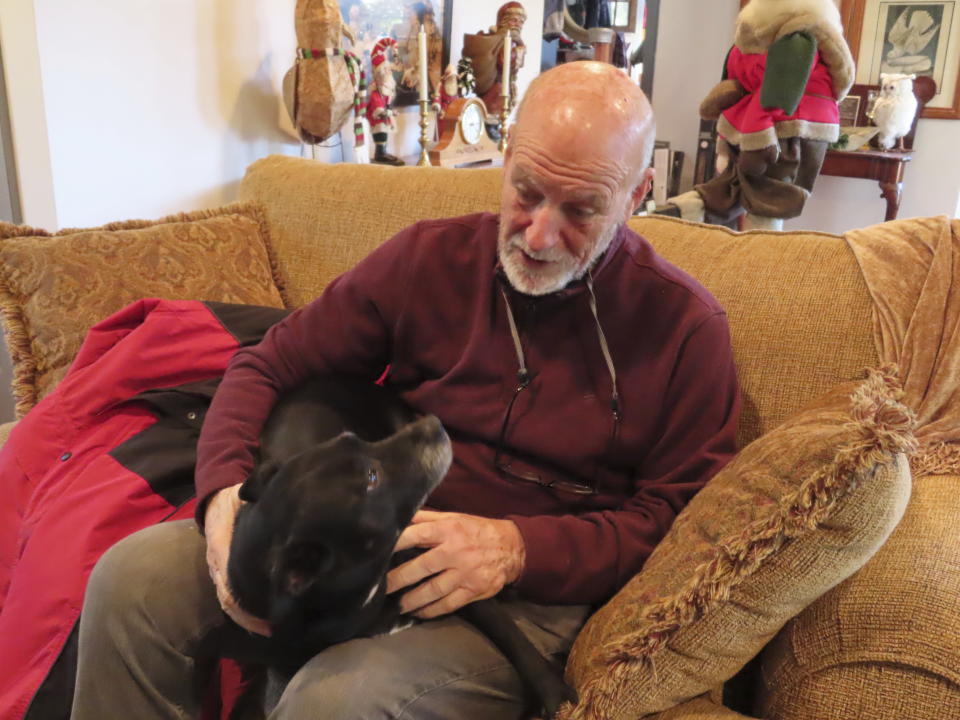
(471,123)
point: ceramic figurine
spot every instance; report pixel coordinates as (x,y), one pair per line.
(324,84)
(449,89)
(379,109)
(895,109)
(485,50)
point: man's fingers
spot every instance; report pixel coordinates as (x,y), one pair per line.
(428,593)
(231,607)
(413,571)
(451,603)
(421,534)
(219,519)
(426,516)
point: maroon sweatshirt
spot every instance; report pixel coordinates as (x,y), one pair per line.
(428,303)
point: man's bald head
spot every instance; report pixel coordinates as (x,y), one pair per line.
(574,171)
(593,106)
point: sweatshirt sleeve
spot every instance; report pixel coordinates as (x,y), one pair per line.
(587,558)
(345,330)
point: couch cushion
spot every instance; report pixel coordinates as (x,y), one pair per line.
(54,288)
(799,310)
(795,513)
(324,219)
(888,633)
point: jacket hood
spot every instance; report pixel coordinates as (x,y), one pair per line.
(762,22)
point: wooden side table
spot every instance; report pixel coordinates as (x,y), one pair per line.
(884,167)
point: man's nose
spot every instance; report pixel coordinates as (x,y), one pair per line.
(544,229)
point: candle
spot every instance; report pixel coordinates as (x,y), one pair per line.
(422,46)
(507,45)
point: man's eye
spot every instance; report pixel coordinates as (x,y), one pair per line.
(528,197)
(582,213)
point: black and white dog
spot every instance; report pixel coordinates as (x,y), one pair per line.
(343,467)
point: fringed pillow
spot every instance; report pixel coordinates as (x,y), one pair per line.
(796,512)
(53,288)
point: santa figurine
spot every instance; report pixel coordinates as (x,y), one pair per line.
(449,90)
(485,50)
(379,111)
(776,112)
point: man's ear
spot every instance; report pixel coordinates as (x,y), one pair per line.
(255,485)
(640,191)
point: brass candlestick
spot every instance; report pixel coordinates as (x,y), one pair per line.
(504,114)
(424,160)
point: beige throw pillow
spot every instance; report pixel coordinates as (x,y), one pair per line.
(53,288)
(795,513)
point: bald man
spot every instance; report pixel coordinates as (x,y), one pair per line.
(589,391)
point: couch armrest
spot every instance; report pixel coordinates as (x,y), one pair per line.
(888,637)
(5,430)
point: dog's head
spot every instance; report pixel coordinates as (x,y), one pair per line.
(330,516)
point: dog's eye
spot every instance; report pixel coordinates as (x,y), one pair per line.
(373,479)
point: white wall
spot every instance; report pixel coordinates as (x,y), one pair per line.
(692,42)
(155,107)
(139,108)
(28,120)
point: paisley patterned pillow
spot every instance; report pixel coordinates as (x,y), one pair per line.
(53,288)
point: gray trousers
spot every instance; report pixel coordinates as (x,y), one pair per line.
(151,609)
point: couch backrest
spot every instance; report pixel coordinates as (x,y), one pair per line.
(324,218)
(798,306)
(799,311)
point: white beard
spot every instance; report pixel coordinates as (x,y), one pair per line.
(563,267)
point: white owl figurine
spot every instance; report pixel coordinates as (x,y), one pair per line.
(895,108)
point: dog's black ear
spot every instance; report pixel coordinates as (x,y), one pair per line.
(253,487)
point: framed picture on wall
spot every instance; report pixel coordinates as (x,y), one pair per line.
(623,15)
(400,20)
(921,37)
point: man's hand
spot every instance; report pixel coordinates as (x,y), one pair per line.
(218,528)
(470,558)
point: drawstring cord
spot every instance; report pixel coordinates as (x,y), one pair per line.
(615,395)
(523,375)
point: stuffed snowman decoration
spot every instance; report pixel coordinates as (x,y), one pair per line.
(776,112)
(895,108)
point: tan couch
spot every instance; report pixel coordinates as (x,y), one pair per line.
(885,643)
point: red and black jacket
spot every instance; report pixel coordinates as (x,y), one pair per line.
(110,451)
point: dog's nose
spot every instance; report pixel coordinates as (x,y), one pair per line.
(429,429)
(437,453)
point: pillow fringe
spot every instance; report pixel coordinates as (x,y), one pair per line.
(24,382)
(936,459)
(885,428)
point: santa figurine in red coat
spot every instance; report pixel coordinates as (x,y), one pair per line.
(776,112)
(379,110)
